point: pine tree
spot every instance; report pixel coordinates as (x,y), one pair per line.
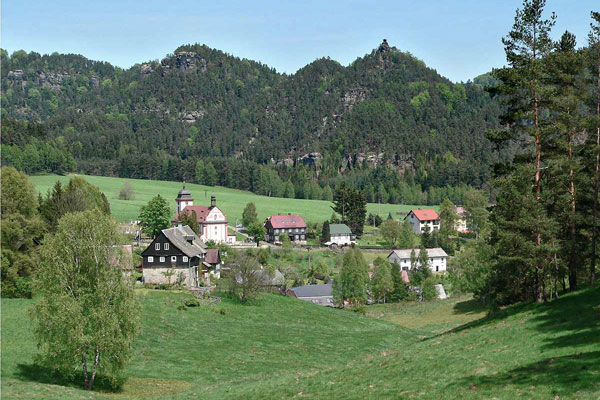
(594,61)
(325,233)
(521,87)
(564,68)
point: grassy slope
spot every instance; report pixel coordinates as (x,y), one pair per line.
(283,348)
(231,201)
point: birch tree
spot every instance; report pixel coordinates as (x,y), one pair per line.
(86,313)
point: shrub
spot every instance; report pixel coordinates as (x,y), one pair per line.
(191,302)
(126,192)
(428,290)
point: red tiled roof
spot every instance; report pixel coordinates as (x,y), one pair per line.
(460,211)
(426,214)
(201,212)
(405,276)
(287,221)
(212,256)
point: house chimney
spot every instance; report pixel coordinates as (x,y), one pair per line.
(213,201)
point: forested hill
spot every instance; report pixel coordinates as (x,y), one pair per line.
(386,122)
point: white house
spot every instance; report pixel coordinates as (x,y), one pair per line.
(212,222)
(424,220)
(341,235)
(461,220)
(437,258)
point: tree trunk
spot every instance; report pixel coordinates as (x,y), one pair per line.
(85,372)
(538,165)
(596,180)
(572,250)
(94,370)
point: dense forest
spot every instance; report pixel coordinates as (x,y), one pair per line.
(386,123)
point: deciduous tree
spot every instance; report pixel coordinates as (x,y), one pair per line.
(86,314)
(155,216)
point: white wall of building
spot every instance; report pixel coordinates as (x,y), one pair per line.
(215,227)
(418,226)
(436,264)
(342,240)
(183,204)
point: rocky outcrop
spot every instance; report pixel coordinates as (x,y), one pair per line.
(94,82)
(17,74)
(184,61)
(383,54)
(190,117)
(353,97)
(146,69)
(311,159)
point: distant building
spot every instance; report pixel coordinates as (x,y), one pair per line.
(211,266)
(174,257)
(291,224)
(341,235)
(317,294)
(212,222)
(424,220)
(461,220)
(437,258)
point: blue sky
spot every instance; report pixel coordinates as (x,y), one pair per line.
(460,39)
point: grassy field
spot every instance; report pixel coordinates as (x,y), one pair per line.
(231,201)
(284,348)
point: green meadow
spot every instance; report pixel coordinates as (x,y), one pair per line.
(231,201)
(281,347)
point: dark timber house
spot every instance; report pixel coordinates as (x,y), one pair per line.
(175,257)
(291,224)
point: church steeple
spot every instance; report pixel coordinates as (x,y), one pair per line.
(183,199)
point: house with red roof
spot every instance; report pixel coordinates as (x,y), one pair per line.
(291,224)
(424,220)
(212,222)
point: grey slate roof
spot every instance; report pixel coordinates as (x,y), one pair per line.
(405,253)
(177,236)
(325,290)
(339,229)
(184,194)
(276,280)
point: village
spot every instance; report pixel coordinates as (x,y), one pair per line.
(194,252)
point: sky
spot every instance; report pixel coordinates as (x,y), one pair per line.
(460,39)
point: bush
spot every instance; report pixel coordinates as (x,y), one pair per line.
(220,311)
(126,192)
(428,290)
(191,302)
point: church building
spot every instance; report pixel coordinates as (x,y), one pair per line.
(212,222)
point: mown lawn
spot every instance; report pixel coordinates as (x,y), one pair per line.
(283,348)
(231,201)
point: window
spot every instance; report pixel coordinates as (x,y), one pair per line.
(302,237)
(437,268)
(150,259)
(185,258)
(276,231)
(162,259)
(297,230)
(174,258)
(166,246)
(157,246)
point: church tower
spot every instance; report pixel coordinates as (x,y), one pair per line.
(184,199)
